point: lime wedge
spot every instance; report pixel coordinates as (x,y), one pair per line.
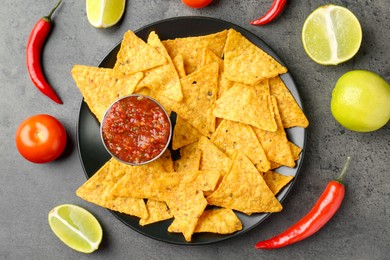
(331,35)
(105,13)
(76,227)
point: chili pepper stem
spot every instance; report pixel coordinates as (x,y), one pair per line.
(340,178)
(48,17)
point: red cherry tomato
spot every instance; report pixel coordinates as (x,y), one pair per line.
(41,138)
(197,3)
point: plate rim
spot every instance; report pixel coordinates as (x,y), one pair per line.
(299,163)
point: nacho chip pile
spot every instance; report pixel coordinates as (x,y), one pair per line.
(231,110)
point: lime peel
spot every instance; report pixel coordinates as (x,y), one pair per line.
(361,101)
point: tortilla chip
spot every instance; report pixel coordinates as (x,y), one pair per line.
(207,180)
(148,182)
(262,87)
(212,158)
(191,48)
(220,221)
(100,86)
(187,203)
(158,211)
(290,112)
(223,83)
(276,181)
(145,183)
(135,55)
(189,158)
(241,103)
(231,137)
(165,102)
(208,57)
(98,188)
(162,79)
(184,134)
(199,90)
(296,150)
(179,65)
(146,92)
(244,189)
(247,63)
(275,144)
(166,161)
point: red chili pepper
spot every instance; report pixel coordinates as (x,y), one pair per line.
(276,8)
(323,210)
(34,48)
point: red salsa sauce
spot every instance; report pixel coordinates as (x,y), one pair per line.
(136,129)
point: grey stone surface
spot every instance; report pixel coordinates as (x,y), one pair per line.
(360,230)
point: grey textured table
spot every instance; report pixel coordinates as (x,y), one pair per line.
(360,230)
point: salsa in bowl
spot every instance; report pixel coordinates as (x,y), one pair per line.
(136,129)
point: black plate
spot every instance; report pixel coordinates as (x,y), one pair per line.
(93,155)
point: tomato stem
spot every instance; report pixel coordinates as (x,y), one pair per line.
(340,178)
(48,17)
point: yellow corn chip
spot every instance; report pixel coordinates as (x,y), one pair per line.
(275,144)
(158,211)
(241,103)
(136,55)
(184,134)
(244,189)
(191,48)
(162,79)
(98,188)
(262,87)
(199,90)
(207,180)
(164,101)
(166,161)
(147,92)
(189,158)
(100,86)
(153,174)
(296,150)
(187,205)
(290,112)
(208,57)
(223,83)
(276,181)
(247,63)
(144,183)
(179,65)
(213,158)
(186,200)
(220,221)
(231,137)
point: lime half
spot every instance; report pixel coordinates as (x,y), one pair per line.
(331,35)
(76,227)
(105,13)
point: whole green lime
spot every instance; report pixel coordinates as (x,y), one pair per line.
(361,101)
